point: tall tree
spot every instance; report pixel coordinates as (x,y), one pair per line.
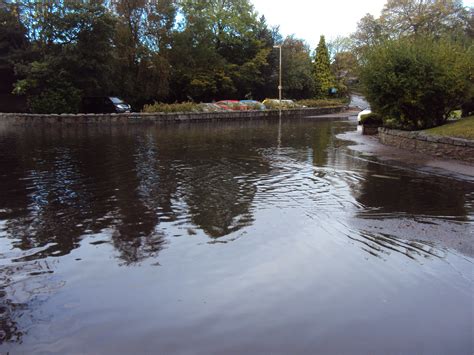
(70,55)
(323,77)
(12,41)
(297,68)
(143,37)
(218,52)
(423,17)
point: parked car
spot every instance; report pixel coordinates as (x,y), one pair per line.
(104,104)
(253,104)
(232,105)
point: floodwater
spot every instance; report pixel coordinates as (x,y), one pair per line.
(263,237)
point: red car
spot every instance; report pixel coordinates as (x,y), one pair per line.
(232,105)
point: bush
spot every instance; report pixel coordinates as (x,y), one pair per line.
(322,102)
(274,104)
(371,119)
(48,89)
(176,107)
(416,84)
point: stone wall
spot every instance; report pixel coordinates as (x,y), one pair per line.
(442,147)
(133,118)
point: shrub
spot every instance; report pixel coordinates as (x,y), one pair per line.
(176,107)
(371,119)
(274,104)
(322,102)
(49,88)
(417,83)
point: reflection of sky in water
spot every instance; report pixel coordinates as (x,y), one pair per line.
(210,230)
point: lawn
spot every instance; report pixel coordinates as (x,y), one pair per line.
(463,128)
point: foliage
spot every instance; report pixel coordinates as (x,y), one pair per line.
(420,17)
(70,57)
(414,18)
(145,51)
(274,104)
(340,44)
(322,102)
(298,81)
(176,107)
(417,82)
(463,128)
(371,119)
(323,77)
(229,51)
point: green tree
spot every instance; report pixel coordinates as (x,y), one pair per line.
(422,17)
(221,50)
(69,55)
(417,83)
(297,68)
(323,76)
(407,18)
(370,32)
(13,41)
(142,39)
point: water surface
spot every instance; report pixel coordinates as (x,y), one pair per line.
(240,237)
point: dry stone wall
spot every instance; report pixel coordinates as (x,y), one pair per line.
(442,147)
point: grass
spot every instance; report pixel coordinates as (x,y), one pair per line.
(463,128)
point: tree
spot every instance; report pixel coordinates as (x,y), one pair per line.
(220,51)
(406,18)
(416,84)
(370,32)
(324,79)
(69,56)
(143,37)
(297,68)
(423,17)
(12,41)
(338,45)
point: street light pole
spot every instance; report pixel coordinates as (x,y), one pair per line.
(279,85)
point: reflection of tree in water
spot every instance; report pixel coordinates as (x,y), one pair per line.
(53,205)
(385,192)
(220,197)
(138,201)
(64,189)
(23,284)
(219,169)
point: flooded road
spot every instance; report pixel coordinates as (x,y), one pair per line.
(228,238)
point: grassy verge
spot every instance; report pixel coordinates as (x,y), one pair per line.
(463,128)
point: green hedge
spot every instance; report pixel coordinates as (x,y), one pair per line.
(416,84)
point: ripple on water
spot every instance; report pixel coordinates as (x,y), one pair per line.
(235,223)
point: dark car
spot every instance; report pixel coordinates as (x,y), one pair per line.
(104,104)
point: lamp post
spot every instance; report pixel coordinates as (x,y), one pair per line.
(279,85)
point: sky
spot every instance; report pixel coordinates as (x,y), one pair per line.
(308,19)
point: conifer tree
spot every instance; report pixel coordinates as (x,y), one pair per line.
(323,77)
